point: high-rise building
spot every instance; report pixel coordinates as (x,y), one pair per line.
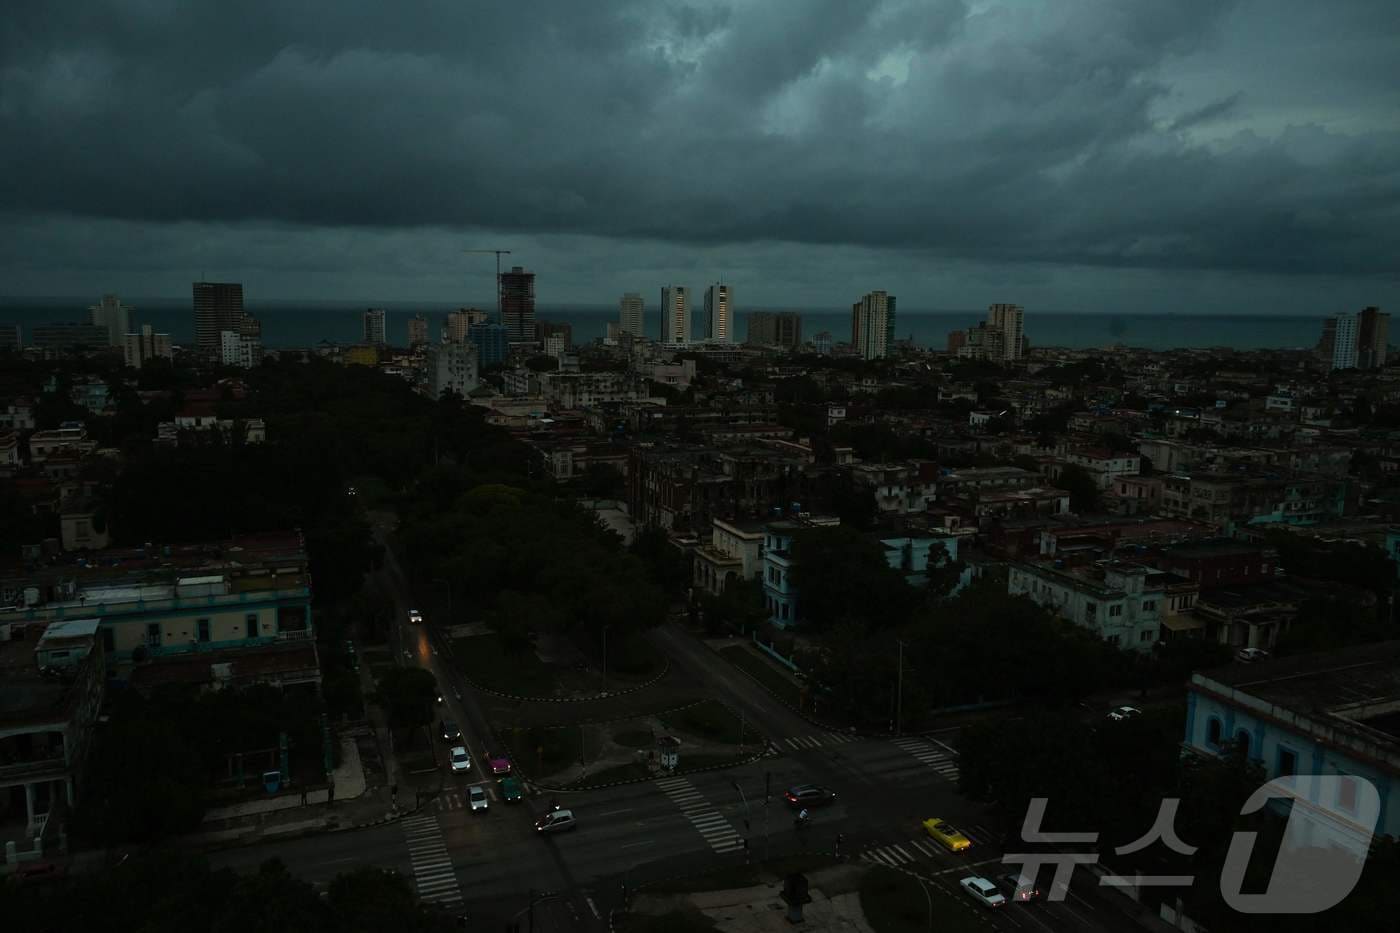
(870,325)
(675,314)
(1344,342)
(11,338)
(889,324)
(111,314)
(141,348)
(774,329)
(374,327)
(218,306)
(1328,341)
(1372,338)
(241,346)
(452,366)
(417,330)
(956,340)
(632,314)
(492,343)
(544,330)
(459,323)
(518,304)
(822,343)
(719,314)
(1010,319)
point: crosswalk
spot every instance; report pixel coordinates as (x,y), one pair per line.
(933,753)
(457,800)
(432,868)
(707,820)
(912,850)
(818,740)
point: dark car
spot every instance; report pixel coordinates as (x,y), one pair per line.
(809,795)
(1018,889)
(450,732)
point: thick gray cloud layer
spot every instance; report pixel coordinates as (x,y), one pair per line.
(1258,138)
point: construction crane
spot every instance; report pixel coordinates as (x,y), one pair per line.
(498,253)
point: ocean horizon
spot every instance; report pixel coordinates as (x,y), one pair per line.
(306,323)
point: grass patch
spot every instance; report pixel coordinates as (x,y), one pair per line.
(895,903)
(542,751)
(724,879)
(781,684)
(487,664)
(634,738)
(710,720)
(633,659)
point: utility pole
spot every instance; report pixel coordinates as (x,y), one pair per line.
(605,656)
(767,799)
(498,253)
(899,693)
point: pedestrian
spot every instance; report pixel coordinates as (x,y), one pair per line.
(303,796)
(330,793)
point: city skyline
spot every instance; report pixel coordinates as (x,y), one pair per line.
(1196,171)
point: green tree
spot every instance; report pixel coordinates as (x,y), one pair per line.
(406,695)
(842,575)
(1083,490)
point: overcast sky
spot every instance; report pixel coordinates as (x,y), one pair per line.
(1124,155)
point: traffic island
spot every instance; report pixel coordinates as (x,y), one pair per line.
(901,902)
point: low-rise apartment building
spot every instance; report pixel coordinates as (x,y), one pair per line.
(1124,604)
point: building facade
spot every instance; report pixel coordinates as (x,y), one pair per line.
(1124,604)
(675,314)
(1010,320)
(452,366)
(632,314)
(218,306)
(141,348)
(870,325)
(374,327)
(1372,338)
(775,329)
(719,313)
(1344,342)
(115,317)
(417,331)
(518,304)
(492,344)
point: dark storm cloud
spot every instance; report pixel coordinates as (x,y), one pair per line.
(1109,134)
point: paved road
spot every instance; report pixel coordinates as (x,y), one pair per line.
(492,864)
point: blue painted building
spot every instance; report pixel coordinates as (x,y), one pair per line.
(1335,714)
(492,343)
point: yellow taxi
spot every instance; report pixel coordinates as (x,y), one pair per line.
(946,835)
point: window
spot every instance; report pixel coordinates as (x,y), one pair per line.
(1090,611)
(1242,742)
(1148,605)
(1287,762)
(109,640)
(1146,636)
(1213,732)
(1116,610)
(250,625)
(153,634)
(772,576)
(1346,793)
(202,630)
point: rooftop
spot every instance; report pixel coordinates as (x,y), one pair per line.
(25,693)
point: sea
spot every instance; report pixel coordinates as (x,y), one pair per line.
(307,323)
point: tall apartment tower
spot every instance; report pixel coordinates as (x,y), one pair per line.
(218,306)
(1344,342)
(1372,338)
(518,304)
(719,313)
(889,324)
(870,325)
(374,327)
(417,330)
(775,329)
(631,314)
(1010,320)
(113,315)
(675,314)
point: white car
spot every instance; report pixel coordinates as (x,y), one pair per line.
(1124,712)
(1249,655)
(415,616)
(983,891)
(461,761)
(477,796)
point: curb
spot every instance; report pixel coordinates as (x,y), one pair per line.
(738,762)
(827,727)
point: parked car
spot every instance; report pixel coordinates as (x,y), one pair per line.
(500,764)
(1122,713)
(556,821)
(1018,889)
(511,791)
(983,891)
(415,616)
(461,761)
(1250,655)
(947,835)
(450,732)
(477,796)
(809,795)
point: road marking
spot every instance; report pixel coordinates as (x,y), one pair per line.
(944,764)
(708,821)
(990,861)
(433,874)
(633,845)
(593,907)
(611,812)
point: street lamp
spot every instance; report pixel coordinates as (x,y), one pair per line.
(605,655)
